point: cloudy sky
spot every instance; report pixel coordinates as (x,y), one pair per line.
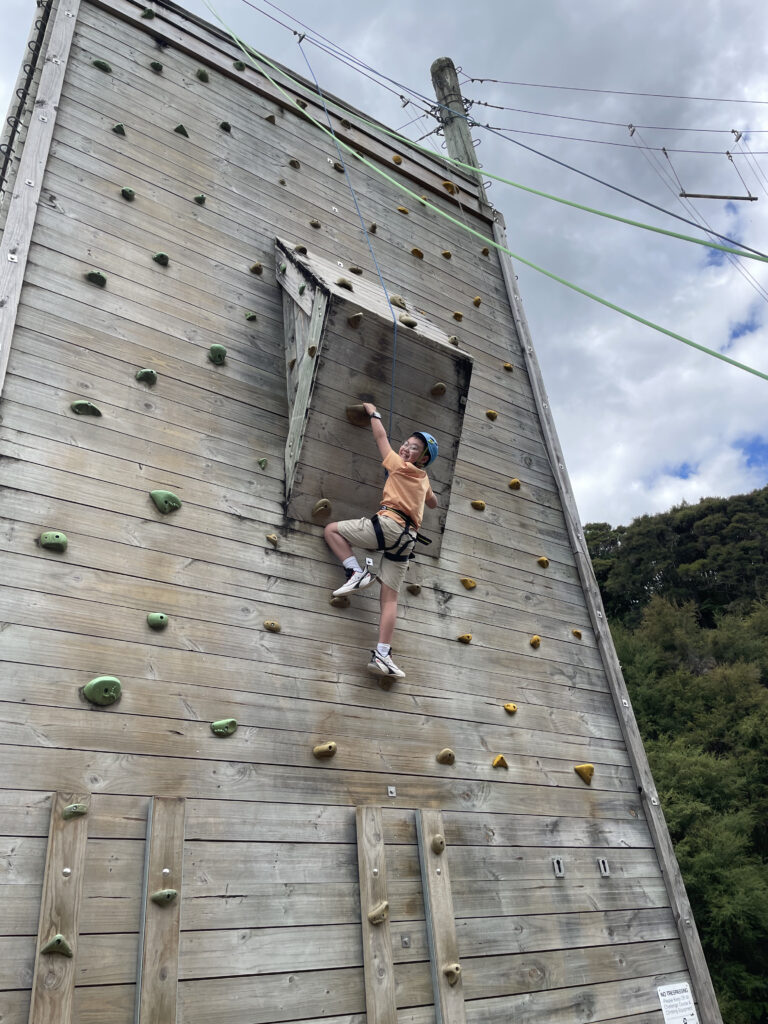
(645,421)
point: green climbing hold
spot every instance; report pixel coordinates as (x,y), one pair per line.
(164,896)
(238,65)
(217,354)
(166,501)
(83,408)
(53,540)
(148,14)
(162,258)
(157,620)
(104,690)
(119,128)
(263,463)
(147,376)
(225,126)
(283,267)
(128,193)
(156,66)
(200,199)
(202,75)
(250,315)
(224,727)
(181,130)
(58,944)
(102,65)
(96,277)
(74,811)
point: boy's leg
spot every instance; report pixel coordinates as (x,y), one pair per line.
(388,605)
(339,545)
(353,531)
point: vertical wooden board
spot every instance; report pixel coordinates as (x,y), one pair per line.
(159,951)
(441,926)
(381,1007)
(53,980)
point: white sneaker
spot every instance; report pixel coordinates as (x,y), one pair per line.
(382,665)
(358,580)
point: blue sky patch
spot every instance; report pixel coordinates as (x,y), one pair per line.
(755,450)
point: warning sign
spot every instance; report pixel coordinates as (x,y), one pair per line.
(677,1004)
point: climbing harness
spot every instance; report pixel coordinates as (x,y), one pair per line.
(402,548)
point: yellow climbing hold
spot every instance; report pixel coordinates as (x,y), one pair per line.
(576,633)
(271,626)
(355,320)
(476,301)
(510,708)
(256,268)
(445,756)
(397,159)
(438,388)
(478,504)
(467,583)
(413,588)
(585,772)
(399,301)
(450,188)
(509,367)
(446,254)
(322,508)
(491,414)
(458,316)
(323,750)
(273,539)
(500,761)
(543,562)
(514,484)
(402,209)
(417,253)
(535,641)
(465,638)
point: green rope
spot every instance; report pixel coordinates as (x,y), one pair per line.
(254,57)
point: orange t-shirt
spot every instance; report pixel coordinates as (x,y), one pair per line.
(406,488)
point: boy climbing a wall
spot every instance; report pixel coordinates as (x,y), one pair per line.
(392,530)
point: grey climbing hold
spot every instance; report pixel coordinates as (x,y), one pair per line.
(128,193)
(344,282)
(217,354)
(225,126)
(271,626)
(58,944)
(302,104)
(413,588)
(273,539)
(96,277)
(300,249)
(438,388)
(379,913)
(119,128)
(157,620)
(200,199)
(166,501)
(399,301)
(202,75)
(445,756)
(256,268)
(340,602)
(84,408)
(164,896)
(356,270)
(161,258)
(74,811)
(53,540)
(263,463)
(355,320)
(181,130)
(147,376)
(408,321)
(102,65)
(156,66)
(322,508)
(315,223)
(224,727)
(238,65)
(103,690)
(271,119)
(250,315)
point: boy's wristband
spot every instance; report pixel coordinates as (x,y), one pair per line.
(375,415)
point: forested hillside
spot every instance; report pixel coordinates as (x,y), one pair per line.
(686,592)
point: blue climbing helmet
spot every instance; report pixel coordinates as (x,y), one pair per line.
(430,442)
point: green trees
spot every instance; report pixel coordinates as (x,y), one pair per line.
(686,595)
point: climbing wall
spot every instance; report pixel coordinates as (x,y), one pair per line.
(256,817)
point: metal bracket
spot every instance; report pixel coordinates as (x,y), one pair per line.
(558,867)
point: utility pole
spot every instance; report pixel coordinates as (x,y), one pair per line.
(452,116)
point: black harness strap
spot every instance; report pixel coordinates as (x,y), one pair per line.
(402,549)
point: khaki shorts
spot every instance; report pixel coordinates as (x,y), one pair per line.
(360,533)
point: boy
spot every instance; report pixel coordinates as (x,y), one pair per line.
(393,529)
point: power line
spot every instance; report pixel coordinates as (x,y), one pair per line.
(614,92)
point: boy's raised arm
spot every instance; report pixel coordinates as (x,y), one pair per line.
(379,433)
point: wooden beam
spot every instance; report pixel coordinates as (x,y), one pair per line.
(53,979)
(22,204)
(689,936)
(159,946)
(441,925)
(380,1004)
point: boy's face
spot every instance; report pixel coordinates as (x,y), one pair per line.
(412,451)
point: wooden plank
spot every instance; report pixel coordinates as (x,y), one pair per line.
(309,337)
(16,238)
(159,948)
(447,981)
(697,965)
(378,963)
(54,974)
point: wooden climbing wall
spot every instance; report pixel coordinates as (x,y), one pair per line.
(266,856)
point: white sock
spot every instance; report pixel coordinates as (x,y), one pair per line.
(351,563)
(383,649)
